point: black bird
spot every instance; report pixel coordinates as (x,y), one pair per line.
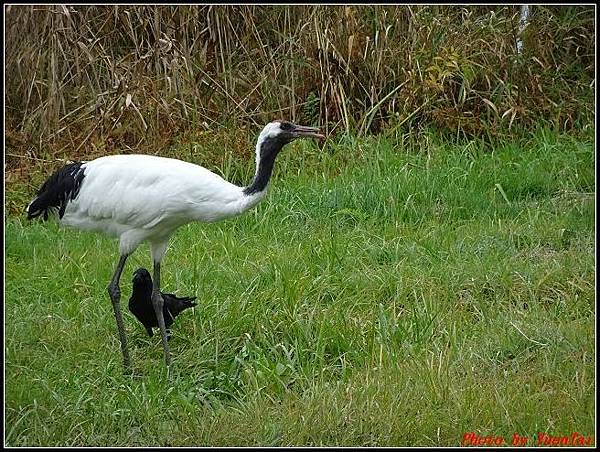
(140,303)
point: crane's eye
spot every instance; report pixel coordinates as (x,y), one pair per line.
(286,126)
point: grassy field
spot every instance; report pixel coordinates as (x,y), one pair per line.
(381,295)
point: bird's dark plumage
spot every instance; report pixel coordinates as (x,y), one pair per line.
(140,303)
(61,187)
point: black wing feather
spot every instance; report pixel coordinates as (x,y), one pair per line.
(60,188)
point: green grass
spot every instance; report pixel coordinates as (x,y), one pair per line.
(378,296)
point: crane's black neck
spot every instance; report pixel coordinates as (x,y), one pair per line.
(269,149)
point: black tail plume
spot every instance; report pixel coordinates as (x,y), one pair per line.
(61,187)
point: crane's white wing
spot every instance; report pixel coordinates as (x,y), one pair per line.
(124,192)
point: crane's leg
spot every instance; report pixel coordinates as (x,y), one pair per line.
(158,302)
(115,296)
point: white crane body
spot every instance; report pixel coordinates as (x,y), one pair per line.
(145,198)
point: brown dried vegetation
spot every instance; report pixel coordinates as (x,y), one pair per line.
(82,81)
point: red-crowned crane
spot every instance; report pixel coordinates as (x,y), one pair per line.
(146,198)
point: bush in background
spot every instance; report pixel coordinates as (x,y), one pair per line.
(85,80)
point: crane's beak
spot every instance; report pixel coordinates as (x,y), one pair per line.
(303,131)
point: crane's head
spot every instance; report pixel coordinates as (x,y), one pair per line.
(288,131)
(277,134)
